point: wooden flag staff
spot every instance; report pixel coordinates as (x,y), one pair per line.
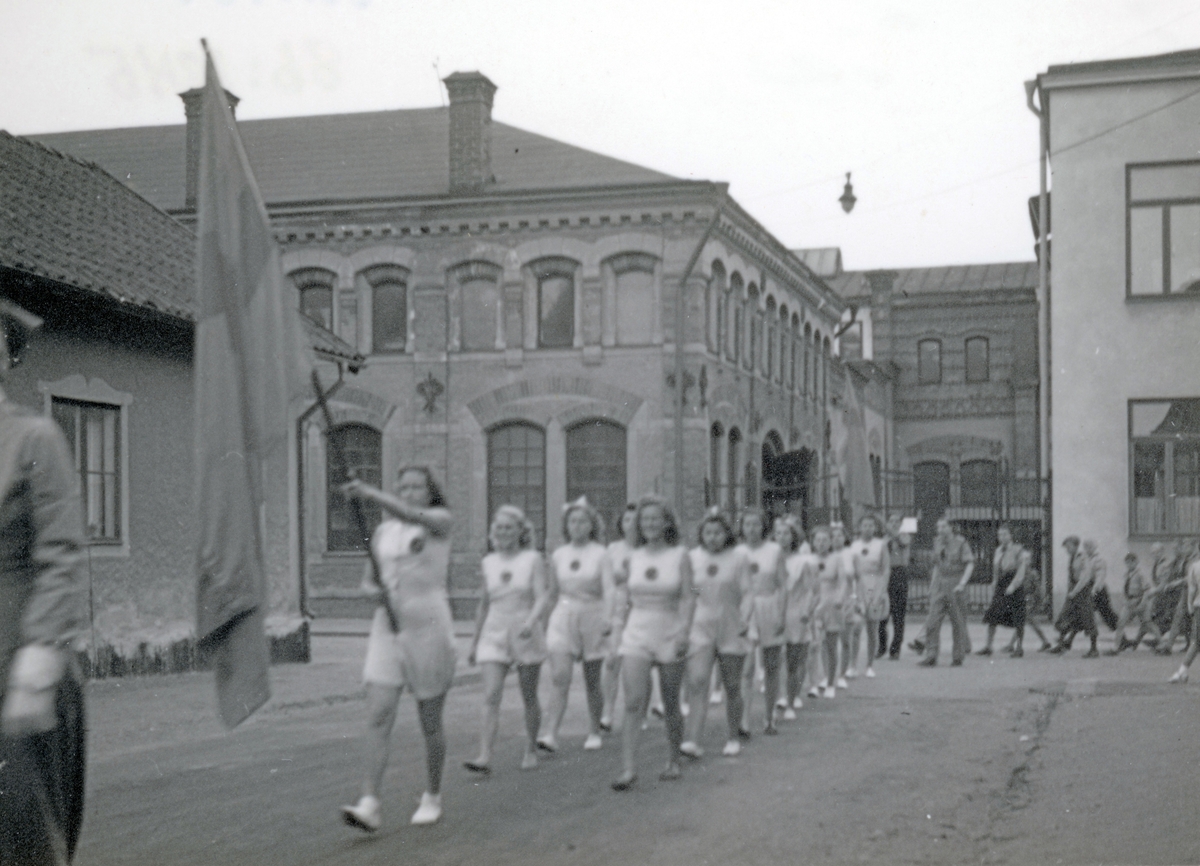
(356,510)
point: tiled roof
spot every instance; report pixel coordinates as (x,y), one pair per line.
(951,278)
(378,154)
(69,221)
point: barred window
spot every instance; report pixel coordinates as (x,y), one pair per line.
(93,432)
(517,471)
(1164,446)
(362,448)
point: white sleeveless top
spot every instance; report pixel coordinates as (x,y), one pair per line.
(580,572)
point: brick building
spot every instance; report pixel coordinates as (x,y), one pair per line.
(516,299)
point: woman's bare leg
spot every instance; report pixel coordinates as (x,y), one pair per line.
(528,676)
(561,667)
(493,689)
(381,717)
(429,713)
(595,696)
(731,675)
(699,672)
(635,679)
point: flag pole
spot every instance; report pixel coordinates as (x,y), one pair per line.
(356,510)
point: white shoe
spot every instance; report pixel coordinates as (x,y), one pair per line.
(789,715)
(830,692)
(1180,676)
(592,743)
(823,684)
(690,749)
(781,704)
(430,810)
(684,709)
(851,673)
(364,814)
(732,749)
(842,684)
(715,698)
(870,673)
(799,704)
(814,692)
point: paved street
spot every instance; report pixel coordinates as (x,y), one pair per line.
(1039,760)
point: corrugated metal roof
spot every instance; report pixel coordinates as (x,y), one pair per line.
(377,154)
(947,278)
(69,221)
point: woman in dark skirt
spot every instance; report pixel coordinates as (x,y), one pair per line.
(1007,609)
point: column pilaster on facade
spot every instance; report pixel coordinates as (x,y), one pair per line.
(556,481)
(592,314)
(431,317)
(513,320)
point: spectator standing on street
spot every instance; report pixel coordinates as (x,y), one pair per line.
(1078,614)
(618,554)
(953,564)
(43,611)
(1193,601)
(899,553)
(581,591)
(412,549)
(764,566)
(509,629)
(1137,608)
(1009,565)
(661,604)
(872,565)
(719,628)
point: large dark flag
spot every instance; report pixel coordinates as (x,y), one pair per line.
(250,363)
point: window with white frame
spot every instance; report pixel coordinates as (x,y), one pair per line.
(1163,230)
(315,286)
(93,432)
(1164,456)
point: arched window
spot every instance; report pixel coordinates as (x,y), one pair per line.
(388,286)
(316,294)
(733,469)
(737,319)
(596,468)
(806,379)
(517,471)
(716,433)
(362,449)
(555,302)
(931,497)
(717,324)
(977,359)
(634,277)
(929,362)
(825,356)
(752,358)
(978,484)
(479,293)
(770,338)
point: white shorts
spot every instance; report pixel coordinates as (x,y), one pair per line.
(420,659)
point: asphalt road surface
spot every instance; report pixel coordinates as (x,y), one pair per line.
(1040,760)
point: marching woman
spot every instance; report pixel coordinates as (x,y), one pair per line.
(872,566)
(618,554)
(852,631)
(829,600)
(508,629)
(797,609)
(719,627)
(1009,564)
(580,619)
(412,549)
(765,568)
(661,603)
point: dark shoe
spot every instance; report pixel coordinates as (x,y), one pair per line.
(1112,652)
(670,773)
(1057,650)
(1046,648)
(624,783)
(880,654)
(1162,651)
(1018,653)
(894,657)
(743,734)
(917,646)
(986,651)
(1091,654)
(770,730)
(956,663)
(930,662)
(481,769)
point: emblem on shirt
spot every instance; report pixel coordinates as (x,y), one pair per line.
(506,576)
(574,565)
(651,573)
(712,570)
(417,544)
(754,568)
(866,551)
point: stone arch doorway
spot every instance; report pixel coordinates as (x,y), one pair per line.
(785,479)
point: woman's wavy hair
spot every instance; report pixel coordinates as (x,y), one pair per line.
(797,532)
(436,500)
(581,504)
(526,540)
(762,517)
(670,531)
(715,515)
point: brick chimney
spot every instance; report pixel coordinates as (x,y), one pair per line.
(193,102)
(470,131)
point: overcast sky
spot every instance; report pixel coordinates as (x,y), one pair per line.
(923,101)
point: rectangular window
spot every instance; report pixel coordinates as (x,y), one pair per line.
(517,472)
(852,342)
(1163,229)
(977,359)
(93,433)
(929,362)
(1165,466)
(480,302)
(635,307)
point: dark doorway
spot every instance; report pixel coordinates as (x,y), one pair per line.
(785,482)
(931,496)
